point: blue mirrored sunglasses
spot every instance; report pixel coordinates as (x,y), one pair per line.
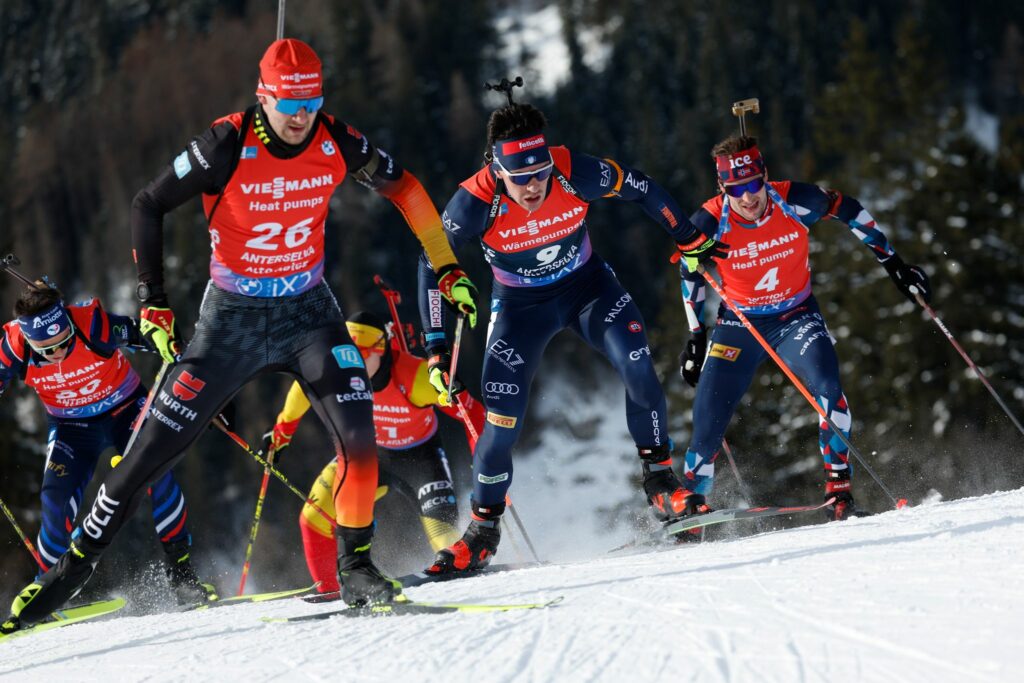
(292,107)
(753,187)
(524,177)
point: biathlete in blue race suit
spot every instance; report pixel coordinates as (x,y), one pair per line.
(528,209)
(71,357)
(767,275)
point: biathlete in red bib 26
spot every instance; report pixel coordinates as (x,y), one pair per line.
(767,275)
(71,356)
(266,176)
(528,209)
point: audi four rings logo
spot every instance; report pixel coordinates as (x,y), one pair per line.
(501,388)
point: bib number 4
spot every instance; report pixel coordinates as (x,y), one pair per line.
(770,281)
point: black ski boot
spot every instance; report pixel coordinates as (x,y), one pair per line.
(361,582)
(665,493)
(476,547)
(181,575)
(838,487)
(52,590)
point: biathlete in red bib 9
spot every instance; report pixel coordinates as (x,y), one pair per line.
(767,275)
(266,176)
(528,208)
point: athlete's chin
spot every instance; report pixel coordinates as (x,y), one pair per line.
(531,204)
(752,213)
(294,135)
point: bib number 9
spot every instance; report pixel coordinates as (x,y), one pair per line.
(548,254)
(294,236)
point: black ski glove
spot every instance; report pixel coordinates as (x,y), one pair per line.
(691,360)
(906,276)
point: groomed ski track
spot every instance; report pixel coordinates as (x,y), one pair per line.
(930,593)
(925,594)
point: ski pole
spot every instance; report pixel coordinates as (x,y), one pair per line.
(799,385)
(144,413)
(24,539)
(744,489)
(967,359)
(459,324)
(256,521)
(218,423)
(280,19)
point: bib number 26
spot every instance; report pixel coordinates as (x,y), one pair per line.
(294,236)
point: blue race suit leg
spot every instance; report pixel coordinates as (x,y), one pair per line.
(72,449)
(806,346)
(611,323)
(518,334)
(733,358)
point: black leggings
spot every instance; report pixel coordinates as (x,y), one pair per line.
(238,338)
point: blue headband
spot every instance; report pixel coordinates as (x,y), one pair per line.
(521,152)
(47,324)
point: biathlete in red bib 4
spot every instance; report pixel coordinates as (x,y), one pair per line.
(767,276)
(266,176)
(528,208)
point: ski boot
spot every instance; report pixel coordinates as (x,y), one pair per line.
(476,547)
(188,589)
(52,590)
(361,582)
(838,487)
(665,493)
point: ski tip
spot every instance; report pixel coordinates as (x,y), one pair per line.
(901,503)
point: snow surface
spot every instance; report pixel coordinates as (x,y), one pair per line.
(922,594)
